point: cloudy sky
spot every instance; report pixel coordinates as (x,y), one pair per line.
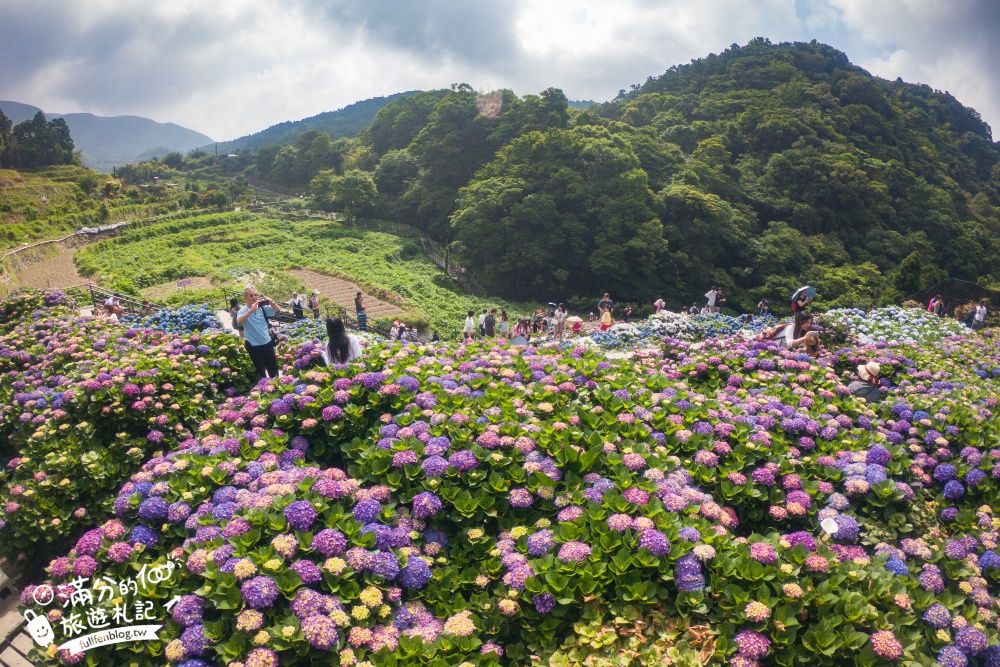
(233,67)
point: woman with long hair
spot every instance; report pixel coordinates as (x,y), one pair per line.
(341,347)
(799,334)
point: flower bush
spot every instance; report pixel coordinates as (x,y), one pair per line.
(714,502)
(893,324)
(666,324)
(185,319)
(83,402)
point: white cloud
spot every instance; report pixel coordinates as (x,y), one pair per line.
(231,68)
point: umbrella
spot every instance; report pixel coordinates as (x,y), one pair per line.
(810,293)
(518,340)
(574,319)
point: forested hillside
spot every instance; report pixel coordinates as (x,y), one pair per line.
(757,169)
(346,122)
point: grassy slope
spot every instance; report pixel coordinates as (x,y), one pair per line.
(224,244)
(23,214)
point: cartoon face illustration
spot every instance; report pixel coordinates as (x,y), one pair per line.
(39,628)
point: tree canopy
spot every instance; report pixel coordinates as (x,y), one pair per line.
(757,169)
(35,143)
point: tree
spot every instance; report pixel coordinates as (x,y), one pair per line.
(347,193)
(174,160)
(906,279)
(395,172)
(558,210)
(5,128)
(38,143)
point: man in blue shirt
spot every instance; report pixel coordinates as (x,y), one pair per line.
(256,337)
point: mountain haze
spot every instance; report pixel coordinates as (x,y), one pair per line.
(108,141)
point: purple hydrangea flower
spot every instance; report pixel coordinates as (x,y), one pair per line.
(426,505)
(259,592)
(329,542)
(573,552)
(300,514)
(544,603)
(655,541)
(416,574)
(188,610)
(320,631)
(367,510)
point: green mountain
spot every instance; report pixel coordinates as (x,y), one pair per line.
(105,142)
(346,122)
(757,170)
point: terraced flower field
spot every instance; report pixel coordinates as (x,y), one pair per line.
(716,501)
(223,246)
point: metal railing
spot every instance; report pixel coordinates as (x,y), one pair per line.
(132,306)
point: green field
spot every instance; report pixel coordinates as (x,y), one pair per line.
(51,202)
(228,245)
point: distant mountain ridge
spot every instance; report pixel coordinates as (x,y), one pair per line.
(107,141)
(345,122)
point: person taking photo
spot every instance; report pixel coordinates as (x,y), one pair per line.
(256,331)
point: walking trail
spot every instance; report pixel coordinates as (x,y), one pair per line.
(55,271)
(342,293)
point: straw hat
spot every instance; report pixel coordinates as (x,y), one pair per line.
(315,291)
(869,372)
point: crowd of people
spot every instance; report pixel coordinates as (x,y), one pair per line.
(496,323)
(253,323)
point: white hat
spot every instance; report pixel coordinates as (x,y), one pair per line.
(869,372)
(315,291)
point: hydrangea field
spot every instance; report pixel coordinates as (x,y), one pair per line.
(715,501)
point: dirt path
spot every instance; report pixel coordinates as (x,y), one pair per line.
(163,289)
(342,293)
(55,271)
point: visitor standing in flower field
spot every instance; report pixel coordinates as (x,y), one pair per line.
(606,320)
(490,324)
(470,325)
(868,386)
(359,303)
(314,303)
(711,296)
(482,324)
(298,304)
(720,298)
(605,304)
(980,318)
(939,306)
(559,321)
(503,329)
(253,318)
(341,347)
(234,311)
